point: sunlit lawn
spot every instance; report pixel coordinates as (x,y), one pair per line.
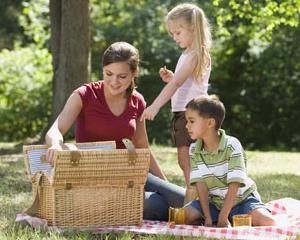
(277,175)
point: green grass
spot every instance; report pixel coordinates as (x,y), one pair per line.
(276,174)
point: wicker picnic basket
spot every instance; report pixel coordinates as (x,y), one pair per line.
(88,186)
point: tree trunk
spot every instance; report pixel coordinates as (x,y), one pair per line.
(70,41)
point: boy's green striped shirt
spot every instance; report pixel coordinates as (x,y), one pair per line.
(225,165)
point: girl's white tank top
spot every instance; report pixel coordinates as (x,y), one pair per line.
(190,88)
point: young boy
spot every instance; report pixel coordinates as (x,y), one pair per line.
(218,169)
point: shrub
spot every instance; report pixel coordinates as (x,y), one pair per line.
(25,92)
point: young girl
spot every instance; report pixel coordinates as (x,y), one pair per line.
(190,29)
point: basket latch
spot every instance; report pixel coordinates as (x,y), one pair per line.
(74,154)
(74,158)
(68,186)
(130,184)
(132,155)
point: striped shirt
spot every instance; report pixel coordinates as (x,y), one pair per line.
(225,165)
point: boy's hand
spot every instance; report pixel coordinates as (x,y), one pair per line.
(229,201)
(150,113)
(223,220)
(208,222)
(165,74)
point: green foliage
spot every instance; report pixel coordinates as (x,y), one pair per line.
(25,92)
(255,60)
(256,71)
(35,21)
(25,76)
(9,27)
(255,19)
(271,93)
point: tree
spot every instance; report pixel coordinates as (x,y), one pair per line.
(70,41)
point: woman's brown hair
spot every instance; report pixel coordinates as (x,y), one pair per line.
(122,52)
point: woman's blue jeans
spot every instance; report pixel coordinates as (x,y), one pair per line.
(159,196)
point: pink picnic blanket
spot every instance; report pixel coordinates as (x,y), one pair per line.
(286,211)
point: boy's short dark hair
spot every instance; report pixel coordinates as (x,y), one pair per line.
(208,106)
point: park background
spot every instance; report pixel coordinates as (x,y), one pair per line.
(256,73)
(256,64)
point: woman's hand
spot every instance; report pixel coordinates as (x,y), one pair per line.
(51,152)
(165,74)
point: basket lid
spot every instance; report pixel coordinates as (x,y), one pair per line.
(93,163)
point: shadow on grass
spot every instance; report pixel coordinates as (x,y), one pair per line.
(15,149)
(18,231)
(13,178)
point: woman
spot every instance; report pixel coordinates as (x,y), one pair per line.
(111,110)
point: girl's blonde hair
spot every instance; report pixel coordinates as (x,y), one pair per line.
(195,18)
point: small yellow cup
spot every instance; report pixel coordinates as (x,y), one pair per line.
(242,220)
(171,215)
(176,216)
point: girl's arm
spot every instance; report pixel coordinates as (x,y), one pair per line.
(165,95)
(228,203)
(140,140)
(62,124)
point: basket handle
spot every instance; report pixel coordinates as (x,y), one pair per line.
(132,155)
(33,209)
(70,146)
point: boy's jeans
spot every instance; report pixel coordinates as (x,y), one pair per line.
(159,196)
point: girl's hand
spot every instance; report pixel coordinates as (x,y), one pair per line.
(51,152)
(165,74)
(149,113)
